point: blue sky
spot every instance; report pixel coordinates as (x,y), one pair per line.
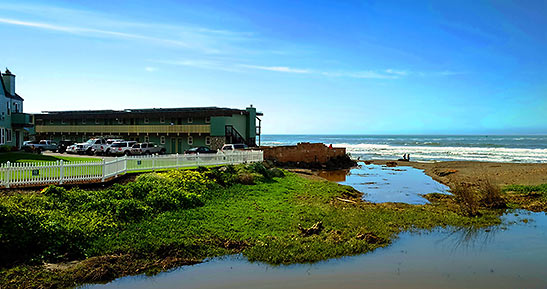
(347,67)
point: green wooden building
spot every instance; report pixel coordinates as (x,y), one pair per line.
(15,126)
(177,129)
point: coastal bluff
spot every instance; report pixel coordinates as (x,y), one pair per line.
(308,155)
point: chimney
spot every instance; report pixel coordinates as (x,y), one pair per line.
(9,81)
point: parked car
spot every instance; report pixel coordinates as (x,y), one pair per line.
(27,145)
(72,149)
(233,147)
(109,142)
(44,145)
(121,148)
(63,145)
(147,148)
(91,146)
(200,150)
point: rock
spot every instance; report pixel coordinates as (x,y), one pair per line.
(313,230)
(391,164)
(370,238)
(446,173)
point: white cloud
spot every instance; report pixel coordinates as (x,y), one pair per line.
(150,69)
(277,68)
(397,72)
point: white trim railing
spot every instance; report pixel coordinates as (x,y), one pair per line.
(63,172)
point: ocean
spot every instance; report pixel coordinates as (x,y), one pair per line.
(492,148)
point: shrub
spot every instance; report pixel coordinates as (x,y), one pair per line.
(5,148)
(245,178)
(491,196)
(130,210)
(259,168)
(276,173)
(467,199)
(171,198)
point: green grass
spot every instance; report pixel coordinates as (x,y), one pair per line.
(526,189)
(528,197)
(145,220)
(23,157)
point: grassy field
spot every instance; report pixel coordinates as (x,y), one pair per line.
(23,157)
(181,217)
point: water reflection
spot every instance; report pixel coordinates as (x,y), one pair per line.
(334,176)
(381,184)
(499,257)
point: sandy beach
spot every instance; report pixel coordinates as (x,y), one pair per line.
(452,172)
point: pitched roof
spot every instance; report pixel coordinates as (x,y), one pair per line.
(6,92)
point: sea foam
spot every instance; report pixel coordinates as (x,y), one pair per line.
(431,153)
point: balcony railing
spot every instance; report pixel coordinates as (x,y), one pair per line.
(120,129)
(21,119)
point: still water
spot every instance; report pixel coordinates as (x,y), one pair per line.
(512,255)
(381,184)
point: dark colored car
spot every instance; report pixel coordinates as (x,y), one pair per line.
(200,150)
(63,145)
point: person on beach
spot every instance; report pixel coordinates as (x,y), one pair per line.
(330,146)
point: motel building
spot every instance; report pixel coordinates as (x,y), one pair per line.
(176,129)
(15,126)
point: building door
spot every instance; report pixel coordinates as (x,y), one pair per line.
(179,145)
(18,139)
(173,145)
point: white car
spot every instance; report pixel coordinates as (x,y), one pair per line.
(233,147)
(147,148)
(109,142)
(121,148)
(71,149)
(91,146)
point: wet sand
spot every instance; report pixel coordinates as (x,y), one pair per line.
(452,172)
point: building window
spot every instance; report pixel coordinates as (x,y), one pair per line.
(8,107)
(190,140)
(208,140)
(51,121)
(97,121)
(207,119)
(120,121)
(63,121)
(146,138)
(146,120)
(190,120)
(8,135)
(83,138)
(83,121)
(162,139)
(2,136)
(16,107)
(162,119)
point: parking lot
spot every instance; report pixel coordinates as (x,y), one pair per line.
(107,158)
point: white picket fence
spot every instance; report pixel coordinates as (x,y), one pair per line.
(61,172)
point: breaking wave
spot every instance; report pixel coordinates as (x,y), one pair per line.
(439,153)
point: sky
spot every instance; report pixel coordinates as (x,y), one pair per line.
(312,67)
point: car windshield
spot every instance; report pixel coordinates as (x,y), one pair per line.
(229,148)
(193,149)
(118,144)
(136,146)
(90,141)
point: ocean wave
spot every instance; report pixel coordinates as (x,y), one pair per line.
(428,153)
